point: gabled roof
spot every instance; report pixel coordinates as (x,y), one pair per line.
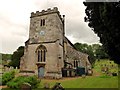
(67,40)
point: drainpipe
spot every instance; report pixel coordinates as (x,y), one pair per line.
(63,21)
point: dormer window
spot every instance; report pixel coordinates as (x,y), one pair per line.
(42,22)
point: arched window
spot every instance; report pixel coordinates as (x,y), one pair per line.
(41,51)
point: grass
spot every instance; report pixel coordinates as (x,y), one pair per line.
(88,82)
(98,80)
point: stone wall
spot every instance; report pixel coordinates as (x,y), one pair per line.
(53,28)
(54,58)
(73,55)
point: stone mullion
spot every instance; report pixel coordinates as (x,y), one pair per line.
(44,55)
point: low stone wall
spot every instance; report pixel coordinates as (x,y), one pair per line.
(53,75)
(26,73)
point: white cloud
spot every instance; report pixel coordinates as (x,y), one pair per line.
(14,21)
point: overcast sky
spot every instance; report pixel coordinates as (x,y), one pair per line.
(15,19)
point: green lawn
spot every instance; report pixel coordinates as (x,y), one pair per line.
(98,80)
(88,82)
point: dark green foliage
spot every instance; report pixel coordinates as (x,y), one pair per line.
(0,81)
(33,81)
(18,81)
(6,77)
(15,62)
(99,52)
(104,19)
(6,56)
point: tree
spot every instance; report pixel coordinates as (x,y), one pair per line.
(15,60)
(5,58)
(104,19)
(99,52)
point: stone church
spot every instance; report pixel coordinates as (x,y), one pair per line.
(48,51)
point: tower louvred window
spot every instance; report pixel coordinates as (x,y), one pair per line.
(42,22)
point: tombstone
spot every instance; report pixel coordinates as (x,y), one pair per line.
(90,72)
(105,64)
(83,76)
(26,86)
(10,68)
(46,85)
(16,68)
(102,69)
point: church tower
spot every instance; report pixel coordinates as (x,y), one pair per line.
(44,50)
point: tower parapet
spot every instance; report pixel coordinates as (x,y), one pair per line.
(45,12)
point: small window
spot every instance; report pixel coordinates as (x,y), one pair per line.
(42,22)
(76,63)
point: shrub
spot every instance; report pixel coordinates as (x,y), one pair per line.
(6,77)
(18,81)
(33,81)
(0,81)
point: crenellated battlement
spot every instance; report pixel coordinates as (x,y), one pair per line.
(45,12)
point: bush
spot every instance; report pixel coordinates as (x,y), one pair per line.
(0,81)
(33,81)
(18,81)
(6,77)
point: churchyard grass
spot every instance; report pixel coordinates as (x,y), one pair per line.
(98,80)
(88,82)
